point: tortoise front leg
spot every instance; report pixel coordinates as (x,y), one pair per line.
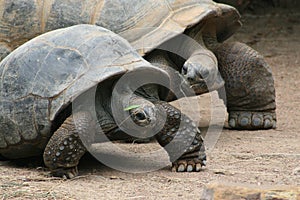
(249,86)
(65,147)
(182,140)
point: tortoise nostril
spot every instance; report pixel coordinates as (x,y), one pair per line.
(184,70)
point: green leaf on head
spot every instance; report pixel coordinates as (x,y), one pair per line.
(131,107)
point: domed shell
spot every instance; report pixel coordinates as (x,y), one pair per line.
(41,78)
(145,24)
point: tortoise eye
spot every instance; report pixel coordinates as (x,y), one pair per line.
(140,116)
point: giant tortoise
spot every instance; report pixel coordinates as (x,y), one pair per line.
(155,24)
(43,79)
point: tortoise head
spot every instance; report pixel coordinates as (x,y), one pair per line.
(146,118)
(145,113)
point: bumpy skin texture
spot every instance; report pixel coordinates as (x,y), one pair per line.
(65,147)
(249,85)
(180,135)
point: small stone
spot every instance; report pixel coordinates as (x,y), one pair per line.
(227,191)
(61,148)
(296,171)
(276,170)
(219,172)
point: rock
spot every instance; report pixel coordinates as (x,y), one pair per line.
(236,192)
(206,109)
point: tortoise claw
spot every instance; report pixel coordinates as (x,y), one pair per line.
(187,165)
(251,120)
(65,173)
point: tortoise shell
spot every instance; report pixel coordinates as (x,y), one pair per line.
(145,24)
(42,77)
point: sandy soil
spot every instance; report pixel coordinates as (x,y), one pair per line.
(254,158)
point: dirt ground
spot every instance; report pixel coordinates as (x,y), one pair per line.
(252,158)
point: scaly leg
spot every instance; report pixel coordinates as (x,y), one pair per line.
(249,86)
(65,147)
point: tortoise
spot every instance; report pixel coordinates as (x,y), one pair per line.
(152,26)
(44,78)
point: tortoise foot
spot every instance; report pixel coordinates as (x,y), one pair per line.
(245,120)
(65,147)
(66,173)
(188,165)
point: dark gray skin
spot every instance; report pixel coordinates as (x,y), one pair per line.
(42,80)
(249,86)
(22,20)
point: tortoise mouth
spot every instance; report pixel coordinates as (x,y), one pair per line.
(200,87)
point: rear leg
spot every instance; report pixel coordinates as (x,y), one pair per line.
(249,86)
(65,147)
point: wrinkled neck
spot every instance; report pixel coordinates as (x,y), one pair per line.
(211,42)
(148,92)
(209,36)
